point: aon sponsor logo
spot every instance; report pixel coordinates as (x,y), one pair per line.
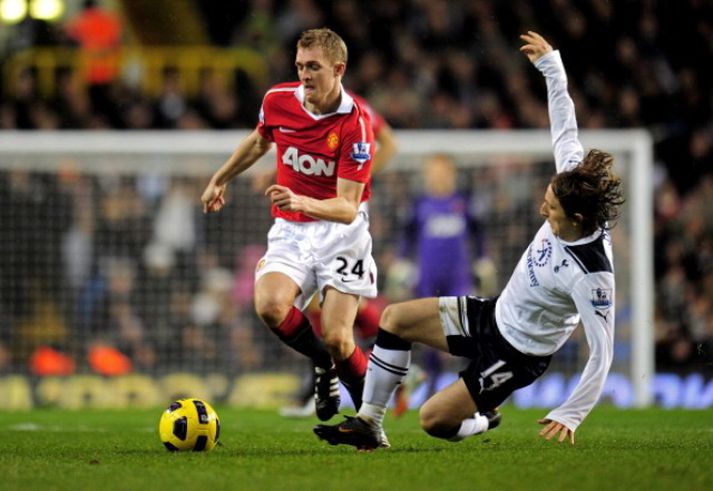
(306,164)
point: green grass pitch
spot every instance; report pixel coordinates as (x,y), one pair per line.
(105,450)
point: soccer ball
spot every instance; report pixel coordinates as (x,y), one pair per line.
(189,424)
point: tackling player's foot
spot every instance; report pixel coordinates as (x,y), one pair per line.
(356,432)
(326,393)
(494,418)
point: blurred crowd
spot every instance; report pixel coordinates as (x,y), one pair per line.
(116,273)
(421,64)
(121,273)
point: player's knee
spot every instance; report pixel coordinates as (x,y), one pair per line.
(338,342)
(390,319)
(433,424)
(272,311)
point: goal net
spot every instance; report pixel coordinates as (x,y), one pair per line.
(105,246)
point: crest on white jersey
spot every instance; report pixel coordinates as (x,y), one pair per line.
(542,254)
(360,152)
(601,298)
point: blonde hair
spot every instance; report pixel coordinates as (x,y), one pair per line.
(333,46)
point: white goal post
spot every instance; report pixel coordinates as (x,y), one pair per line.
(118,150)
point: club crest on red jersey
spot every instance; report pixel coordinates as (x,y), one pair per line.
(332,141)
(360,152)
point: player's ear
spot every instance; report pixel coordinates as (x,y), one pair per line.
(339,68)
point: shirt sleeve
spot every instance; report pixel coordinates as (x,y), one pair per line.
(357,150)
(594,297)
(262,126)
(568,150)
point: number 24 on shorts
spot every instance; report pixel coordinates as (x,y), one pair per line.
(345,269)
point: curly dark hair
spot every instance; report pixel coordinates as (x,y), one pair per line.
(592,190)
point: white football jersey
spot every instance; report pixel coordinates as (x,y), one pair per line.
(557,283)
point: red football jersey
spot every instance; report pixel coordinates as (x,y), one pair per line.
(314,150)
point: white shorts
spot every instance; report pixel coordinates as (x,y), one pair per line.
(454,316)
(320,254)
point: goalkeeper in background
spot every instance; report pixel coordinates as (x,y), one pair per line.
(565,274)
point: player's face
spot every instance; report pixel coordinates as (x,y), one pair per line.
(319,76)
(440,177)
(552,210)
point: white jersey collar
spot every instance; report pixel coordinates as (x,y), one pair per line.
(345,106)
(582,240)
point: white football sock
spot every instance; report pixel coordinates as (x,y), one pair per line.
(472,426)
(384,373)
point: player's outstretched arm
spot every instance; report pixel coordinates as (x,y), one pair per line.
(536,46)
(552,428)
(567,148)
(248,152)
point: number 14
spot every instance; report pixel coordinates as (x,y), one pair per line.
(496,378)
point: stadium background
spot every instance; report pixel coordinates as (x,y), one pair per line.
(81,267)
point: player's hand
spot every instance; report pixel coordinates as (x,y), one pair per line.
(284,198)
(213,197)
(536,46)
(552,428)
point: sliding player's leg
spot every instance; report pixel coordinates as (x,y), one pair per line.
(452,414)
(417,320)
